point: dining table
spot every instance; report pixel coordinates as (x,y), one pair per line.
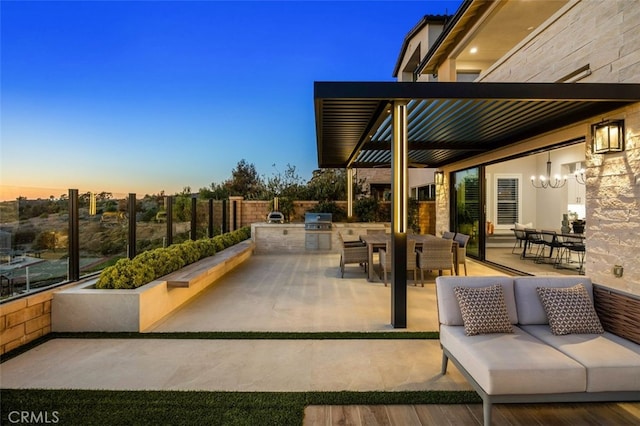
(532,232)
(380,240)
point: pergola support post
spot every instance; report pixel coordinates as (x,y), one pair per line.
(399,185)
(350,192)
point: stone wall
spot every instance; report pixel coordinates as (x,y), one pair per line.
(613,210)
(604,34)
(25,320)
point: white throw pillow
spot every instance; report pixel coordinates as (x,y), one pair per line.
(524,225)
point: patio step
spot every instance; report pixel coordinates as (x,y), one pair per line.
(500,240)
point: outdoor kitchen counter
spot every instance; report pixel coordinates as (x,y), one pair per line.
(290,237)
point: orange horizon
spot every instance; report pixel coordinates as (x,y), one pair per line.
(12,193)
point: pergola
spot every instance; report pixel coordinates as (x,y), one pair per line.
(368,124)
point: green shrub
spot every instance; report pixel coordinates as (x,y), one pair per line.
(338,214)
(366,209)
(152,264)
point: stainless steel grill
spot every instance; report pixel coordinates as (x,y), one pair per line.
(318,231)
(317,221)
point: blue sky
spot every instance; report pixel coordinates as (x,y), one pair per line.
(148,96)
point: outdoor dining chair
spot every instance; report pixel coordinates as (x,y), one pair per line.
(463,240)
(385,260)
(352,252)
(435,255)
(448,235)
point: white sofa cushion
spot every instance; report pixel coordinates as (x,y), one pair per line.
(613,363)
(569,310)
(517,363)
(483,309)
(529,306)
(448,308)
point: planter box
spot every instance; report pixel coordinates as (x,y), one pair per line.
(85,308)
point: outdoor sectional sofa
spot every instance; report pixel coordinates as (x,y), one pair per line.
(531,363)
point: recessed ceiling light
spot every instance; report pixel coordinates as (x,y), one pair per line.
(529,28)
(473,50)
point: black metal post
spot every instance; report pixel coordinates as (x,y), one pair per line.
(210,218)
(168,204)
(225,227)
(399,214)
(132,225)
(74,238)
(235,215)
(194,217)
(399,280)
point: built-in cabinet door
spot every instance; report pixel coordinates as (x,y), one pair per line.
(575,192)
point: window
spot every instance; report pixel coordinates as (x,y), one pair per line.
(424,193)
(507,200)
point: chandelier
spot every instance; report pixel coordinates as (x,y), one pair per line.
(578,174)
(545,182)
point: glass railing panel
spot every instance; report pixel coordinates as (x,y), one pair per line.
(151,222)
(33,239)
(103,229)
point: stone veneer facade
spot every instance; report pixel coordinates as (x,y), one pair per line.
(25,320)
(605,34)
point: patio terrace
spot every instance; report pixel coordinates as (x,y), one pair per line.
(291,293)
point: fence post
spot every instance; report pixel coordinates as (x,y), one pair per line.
(225,227)
(74,239)
(168,204)
(210,218)
(194,217)
(132,225)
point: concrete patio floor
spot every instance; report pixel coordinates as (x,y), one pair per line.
(267,293)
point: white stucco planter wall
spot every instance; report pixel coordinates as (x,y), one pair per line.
(84,308)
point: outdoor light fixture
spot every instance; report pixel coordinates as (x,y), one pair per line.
(608,136)
(439,176)
(546,182)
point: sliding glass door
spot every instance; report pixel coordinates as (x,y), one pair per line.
(467,207)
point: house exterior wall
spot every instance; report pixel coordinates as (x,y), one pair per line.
(602,33)
(606,35)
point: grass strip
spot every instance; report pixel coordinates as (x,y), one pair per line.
(231,335)
(255,335)
(89,407)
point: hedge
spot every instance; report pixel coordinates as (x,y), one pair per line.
(153,264)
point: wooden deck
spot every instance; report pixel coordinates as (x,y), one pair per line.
(596,414)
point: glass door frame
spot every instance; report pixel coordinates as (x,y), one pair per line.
(476,249)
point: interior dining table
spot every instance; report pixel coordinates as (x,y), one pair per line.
(380,240)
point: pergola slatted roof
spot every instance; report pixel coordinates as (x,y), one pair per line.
(448,122)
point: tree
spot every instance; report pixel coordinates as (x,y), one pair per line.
(245,181)
(327,184)
(288,185)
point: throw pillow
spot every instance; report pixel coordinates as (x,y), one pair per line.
(483,309)
(570,310)
(523,225)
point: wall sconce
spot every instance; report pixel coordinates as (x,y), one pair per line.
(439,176)
(608,136)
